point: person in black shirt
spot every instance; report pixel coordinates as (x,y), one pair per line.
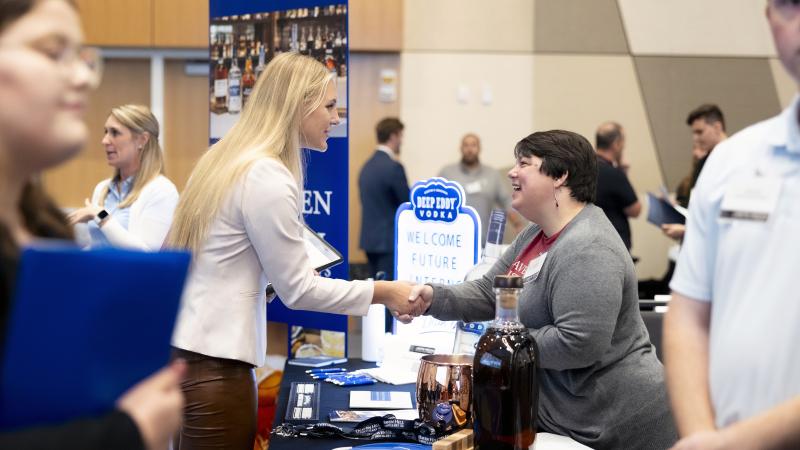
(615,195)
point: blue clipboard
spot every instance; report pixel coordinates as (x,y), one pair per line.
(84,327)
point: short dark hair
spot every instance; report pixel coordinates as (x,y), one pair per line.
(608,134)
(387,127)
(708,112)
(564,152)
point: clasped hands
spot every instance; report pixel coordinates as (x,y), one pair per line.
(404,300)
(85,214)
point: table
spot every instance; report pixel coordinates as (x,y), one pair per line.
(338,397)
(331,397)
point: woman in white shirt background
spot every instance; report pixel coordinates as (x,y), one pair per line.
(240,215)
(134,207)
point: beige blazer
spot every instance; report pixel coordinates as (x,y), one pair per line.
(256,238)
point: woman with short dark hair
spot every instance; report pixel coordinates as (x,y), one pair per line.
(600,381)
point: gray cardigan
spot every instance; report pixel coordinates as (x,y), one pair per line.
(600,381)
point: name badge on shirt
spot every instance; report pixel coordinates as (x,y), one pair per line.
(534,267)
(754,198)
(473,187)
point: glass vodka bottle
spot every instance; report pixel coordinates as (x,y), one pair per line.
(468,333)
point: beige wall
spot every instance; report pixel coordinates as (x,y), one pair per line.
(573,64)
(468,25)
(578,93)
(691,27)
(436,119)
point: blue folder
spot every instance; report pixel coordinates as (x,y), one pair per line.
(660,211)
(84,327)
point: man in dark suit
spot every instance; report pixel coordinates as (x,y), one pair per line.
(383,187)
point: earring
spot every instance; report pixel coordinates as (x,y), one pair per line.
(554,196)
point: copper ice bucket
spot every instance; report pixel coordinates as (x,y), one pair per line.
(444,390)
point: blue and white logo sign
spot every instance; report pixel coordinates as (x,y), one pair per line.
(437,199)
(437,237)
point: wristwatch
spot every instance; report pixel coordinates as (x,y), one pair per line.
(100,218)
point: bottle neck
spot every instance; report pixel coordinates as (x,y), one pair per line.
(507,308)
(492,251)
(497,227)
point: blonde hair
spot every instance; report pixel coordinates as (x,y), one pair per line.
(139,120)
(291,87)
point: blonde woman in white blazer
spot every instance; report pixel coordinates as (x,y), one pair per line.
(134,208)
(240,215)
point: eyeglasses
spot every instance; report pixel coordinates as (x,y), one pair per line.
(87,58)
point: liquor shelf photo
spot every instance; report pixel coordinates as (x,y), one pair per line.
(242,46)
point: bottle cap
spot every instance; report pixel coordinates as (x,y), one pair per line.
(508,282)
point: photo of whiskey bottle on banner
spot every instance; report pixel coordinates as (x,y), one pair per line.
(240,46)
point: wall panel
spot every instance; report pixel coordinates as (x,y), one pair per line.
(180,23)
(578,26)
(469,25)
(495,102)
(578,93)
(186,121)
(691,27)
(118,23)
(375,26)
(365,110)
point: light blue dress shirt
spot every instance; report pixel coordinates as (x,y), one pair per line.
(748,270)
(116,195)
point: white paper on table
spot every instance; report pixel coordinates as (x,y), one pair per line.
(381,399)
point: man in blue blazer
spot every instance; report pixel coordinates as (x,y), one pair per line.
(383,187)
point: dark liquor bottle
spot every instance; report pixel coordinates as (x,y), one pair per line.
(241,51)
(248,80)
(310,41)
(505,384)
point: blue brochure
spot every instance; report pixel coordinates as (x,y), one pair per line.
(84,327)
(660,211)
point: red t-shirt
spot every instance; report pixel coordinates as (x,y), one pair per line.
(540,244)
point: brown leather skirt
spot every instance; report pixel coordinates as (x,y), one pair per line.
(221,403)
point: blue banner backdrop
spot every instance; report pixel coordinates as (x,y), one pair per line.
(325,205)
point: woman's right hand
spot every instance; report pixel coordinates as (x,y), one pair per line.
(156,405)
(396,295)
(85,214)
(422,296)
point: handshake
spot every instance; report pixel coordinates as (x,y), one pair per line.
(404,300)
